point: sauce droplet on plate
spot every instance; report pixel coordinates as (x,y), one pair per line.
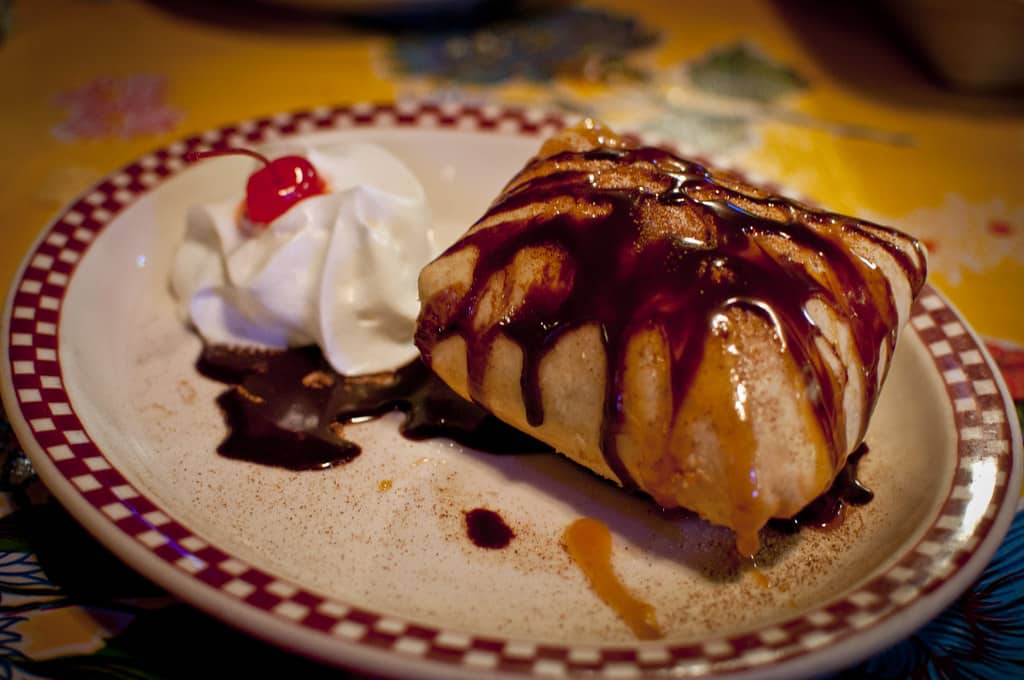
(487,529)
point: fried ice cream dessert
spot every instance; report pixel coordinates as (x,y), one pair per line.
(672,328)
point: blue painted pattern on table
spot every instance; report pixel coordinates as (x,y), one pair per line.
(980,636)
(532,48)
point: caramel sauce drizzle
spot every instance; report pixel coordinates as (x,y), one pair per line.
(589,544)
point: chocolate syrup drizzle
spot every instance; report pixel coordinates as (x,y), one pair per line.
(620,278)
(828,510)
(289,408)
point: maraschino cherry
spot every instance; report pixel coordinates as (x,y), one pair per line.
(277,186)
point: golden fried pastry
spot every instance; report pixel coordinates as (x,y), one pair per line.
(672,329)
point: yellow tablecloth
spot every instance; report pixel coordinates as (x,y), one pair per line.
(866,133)
(816,101)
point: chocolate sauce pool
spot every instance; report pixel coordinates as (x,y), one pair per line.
(289,408)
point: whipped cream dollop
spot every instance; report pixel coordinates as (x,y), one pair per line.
(337,269)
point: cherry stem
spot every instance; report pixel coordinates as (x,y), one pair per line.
(193,156)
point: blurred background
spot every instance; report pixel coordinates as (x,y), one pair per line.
(905,112)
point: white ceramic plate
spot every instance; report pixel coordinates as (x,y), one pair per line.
(99,384)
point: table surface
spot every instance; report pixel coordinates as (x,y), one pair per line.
(823,102)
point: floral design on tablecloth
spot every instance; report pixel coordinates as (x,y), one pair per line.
(70,609)
(710,105)
(964,236)
(740,71)
(532,47)
(116,107)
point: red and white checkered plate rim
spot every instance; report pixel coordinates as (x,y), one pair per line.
(148,537)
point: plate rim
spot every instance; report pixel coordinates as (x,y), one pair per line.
(353,638)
